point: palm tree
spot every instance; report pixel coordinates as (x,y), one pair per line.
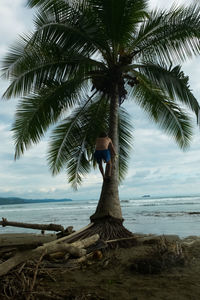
(74,71)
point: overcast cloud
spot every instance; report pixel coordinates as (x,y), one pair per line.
(157,165)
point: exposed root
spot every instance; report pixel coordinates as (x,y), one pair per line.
(108,229)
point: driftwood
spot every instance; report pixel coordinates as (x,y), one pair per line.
(86,242)
(35,276)
(50,227)
(71,249)
(48,248)
(25,239)
(7,249)
(58,255)
(68,237)
(121,239)
(83,258)
(79,244)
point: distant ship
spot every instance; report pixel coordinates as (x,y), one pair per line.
(146,196)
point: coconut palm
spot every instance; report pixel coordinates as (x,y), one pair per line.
(74,72)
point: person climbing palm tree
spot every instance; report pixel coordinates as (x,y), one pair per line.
(103,150)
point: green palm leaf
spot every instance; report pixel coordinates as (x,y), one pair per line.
(71,27)
(37,112)
(73,141)
(75,138)
(168,115)
(44,4)
(44,64)
(125,130)
(118,21)
(173,81)
(169,36)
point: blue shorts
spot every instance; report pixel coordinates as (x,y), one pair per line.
(102,154)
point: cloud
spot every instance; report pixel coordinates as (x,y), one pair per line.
(161,4)
(15,19)
(157,165)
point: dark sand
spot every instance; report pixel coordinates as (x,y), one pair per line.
(116,276)
(155,268)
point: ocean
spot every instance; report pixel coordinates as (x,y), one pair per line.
(166,215)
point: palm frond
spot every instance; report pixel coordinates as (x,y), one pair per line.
(78,164)
(72,27)
(51,4)
(168,115)
(40,65)
(173,81)
(68,35)
(169,35)
(125,131)
(43,4)
(118,19)
(37,112)
(73,141)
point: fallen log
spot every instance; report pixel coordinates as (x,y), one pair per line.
(58,255)
(25,239)
(69,230)
(121,239)
(50,227)
(7,249)
(79,244)
(68,237)
(86,242)
(21,257)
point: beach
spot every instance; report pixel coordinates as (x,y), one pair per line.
(114,277)
(142,272)
(146,270)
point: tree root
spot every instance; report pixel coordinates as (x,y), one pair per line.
(108,228)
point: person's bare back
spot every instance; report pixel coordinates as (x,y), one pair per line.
(102,143)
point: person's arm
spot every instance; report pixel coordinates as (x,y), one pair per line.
(112,148)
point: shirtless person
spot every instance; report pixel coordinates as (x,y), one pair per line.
(103,151)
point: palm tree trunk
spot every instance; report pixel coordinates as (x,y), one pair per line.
(109,204)
(107,219)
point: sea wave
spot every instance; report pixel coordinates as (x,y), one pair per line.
(179,215)
(171,214)
(165,201)
(27,209)
(169,204)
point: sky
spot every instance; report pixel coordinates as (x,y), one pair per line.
(156,167)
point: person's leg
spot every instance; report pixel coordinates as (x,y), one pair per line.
(101,169)
(107,159)
(108,169)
